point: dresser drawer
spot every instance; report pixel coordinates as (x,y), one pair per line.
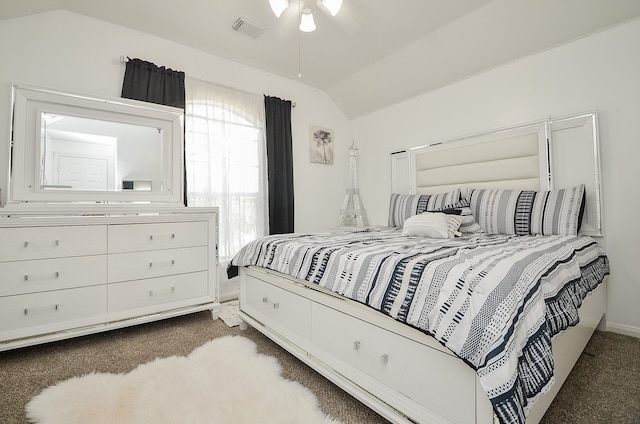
(52,242)
(137,237)
(157,263)
(133,295)
(44,311)
(21,277)
(275,306)
(396,361)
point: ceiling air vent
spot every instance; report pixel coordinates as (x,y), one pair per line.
(246,27)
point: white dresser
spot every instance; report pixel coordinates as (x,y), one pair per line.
(64,276)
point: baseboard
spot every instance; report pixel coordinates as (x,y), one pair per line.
(229,290)
(623,329)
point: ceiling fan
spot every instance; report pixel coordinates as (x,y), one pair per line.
(307,23)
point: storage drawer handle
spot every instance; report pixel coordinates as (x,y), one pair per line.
(55,308)
(27,243)
(170,290)
(171,262)
(55,274)
(384,358)
(276,305)
(172,236)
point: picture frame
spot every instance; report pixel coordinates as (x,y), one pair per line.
(321,141)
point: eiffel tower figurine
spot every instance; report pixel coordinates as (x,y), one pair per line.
(352,212)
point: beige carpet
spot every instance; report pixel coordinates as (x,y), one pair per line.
(603,388)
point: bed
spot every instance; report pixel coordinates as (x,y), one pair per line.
(473,303)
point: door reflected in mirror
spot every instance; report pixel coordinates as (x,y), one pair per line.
(97,155)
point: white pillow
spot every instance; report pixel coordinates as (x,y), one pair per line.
(433,225)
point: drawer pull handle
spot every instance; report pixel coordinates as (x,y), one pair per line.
(173,236)
(171,262)
(170,290)
(27,243)
(55,274)
(384,358)
(55,307)
(276,305)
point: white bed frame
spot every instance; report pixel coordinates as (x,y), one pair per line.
(372,356)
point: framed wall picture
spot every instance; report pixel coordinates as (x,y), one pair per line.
(320,145)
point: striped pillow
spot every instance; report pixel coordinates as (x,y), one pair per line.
(525,212)
(402,206)
(469,224)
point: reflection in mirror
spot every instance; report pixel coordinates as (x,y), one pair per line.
(90,154)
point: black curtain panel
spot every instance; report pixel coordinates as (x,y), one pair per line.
(148,82)
(280,164)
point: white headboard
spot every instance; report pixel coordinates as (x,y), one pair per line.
(544,155)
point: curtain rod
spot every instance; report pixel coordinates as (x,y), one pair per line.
(125,59)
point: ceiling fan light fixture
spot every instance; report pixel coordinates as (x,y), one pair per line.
(278,6)
(306,21)
(333,6)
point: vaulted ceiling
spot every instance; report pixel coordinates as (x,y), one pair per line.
(374,53)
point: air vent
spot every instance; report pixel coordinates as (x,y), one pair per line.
(246,27)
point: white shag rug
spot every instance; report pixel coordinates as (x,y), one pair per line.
(225,381)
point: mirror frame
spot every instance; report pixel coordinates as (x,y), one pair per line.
(28,104)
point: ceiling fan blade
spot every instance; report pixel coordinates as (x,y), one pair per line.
(283,29)
(344,19)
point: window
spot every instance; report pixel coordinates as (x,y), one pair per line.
(226,161)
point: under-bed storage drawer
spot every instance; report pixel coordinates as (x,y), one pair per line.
(397,362)
(276,306)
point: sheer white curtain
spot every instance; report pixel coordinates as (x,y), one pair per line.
(226,163)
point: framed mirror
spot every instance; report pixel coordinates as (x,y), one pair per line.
(71,148)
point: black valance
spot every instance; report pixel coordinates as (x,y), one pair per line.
(148,82)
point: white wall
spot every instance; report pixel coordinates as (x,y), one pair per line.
(599,72)
(71,52)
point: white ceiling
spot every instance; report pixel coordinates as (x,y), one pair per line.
(374,53)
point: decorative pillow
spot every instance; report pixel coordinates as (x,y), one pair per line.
(402,206)
(469,224)
(433,225)
(525,212)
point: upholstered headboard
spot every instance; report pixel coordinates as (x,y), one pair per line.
(544,155)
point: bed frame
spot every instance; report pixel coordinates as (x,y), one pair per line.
(370,356)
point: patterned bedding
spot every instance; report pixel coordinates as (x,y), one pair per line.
(494,300)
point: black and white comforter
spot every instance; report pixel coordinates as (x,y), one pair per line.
(494,300)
